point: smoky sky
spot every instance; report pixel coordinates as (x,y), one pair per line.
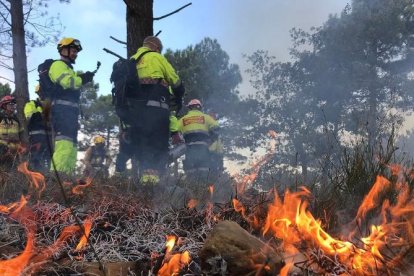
(244,26)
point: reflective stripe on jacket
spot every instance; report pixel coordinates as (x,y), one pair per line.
(153,65)
(36,123)
(10,129)
(196,127)
(69,83)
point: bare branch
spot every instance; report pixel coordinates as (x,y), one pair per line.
(6,79)
(171,13)
(5,56)
(5,65)
(117,40)
(5,6)
(2,15)
(157,34)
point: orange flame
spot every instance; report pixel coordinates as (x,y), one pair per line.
(291,222)
(371,200)
(38,260)
(78,189)
(211,189)
(169,244)
(87,225)
(192,203)
(35,178)
(175,264)
(16,265)
(238,206)
(243,183)
(25,216)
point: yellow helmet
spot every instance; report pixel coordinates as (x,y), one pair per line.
(99,140)
(69,42)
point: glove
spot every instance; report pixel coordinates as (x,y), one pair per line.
(179,104)
(179,91)
(176,138)
(87,77)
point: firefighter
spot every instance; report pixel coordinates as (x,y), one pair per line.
(10,133)
(150,109)
(200,131)
(97,159)
(65,104)
(38,126)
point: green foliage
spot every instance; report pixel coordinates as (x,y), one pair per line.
(100,116)
(346,76)
(208,75)
(4,89)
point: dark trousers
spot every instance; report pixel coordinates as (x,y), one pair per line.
(150,139)
(40,154)
(126,152)
(197,157)
(150,128)
(65,122)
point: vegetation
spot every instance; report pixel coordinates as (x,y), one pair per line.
(346,81)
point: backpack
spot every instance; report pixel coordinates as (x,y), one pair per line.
(46,87)
(125,84)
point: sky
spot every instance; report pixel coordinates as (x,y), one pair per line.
(240,26)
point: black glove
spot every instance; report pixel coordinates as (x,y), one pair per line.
(178,104)
(87,77)
(179,91)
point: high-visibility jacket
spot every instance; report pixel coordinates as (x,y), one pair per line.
(153,65)
(64,115)
(10,130)
(197,128)
(62,74)
(33,112)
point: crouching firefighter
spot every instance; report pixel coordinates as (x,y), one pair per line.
(200,130)
(38,126)
(10,133)
(65,104)
(150,109)
(97,159)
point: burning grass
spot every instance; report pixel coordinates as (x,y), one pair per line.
(112,221)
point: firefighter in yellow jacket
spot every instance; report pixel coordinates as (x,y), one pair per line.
(97,159)
(65,104)
(39,130)
(150,109)
(200,130)
(10,133)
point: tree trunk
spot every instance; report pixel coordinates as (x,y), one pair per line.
(19,60)
(139,17)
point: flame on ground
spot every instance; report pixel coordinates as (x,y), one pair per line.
(176,263)
(25,216)
(32,258)
(87,225)
(192,203)
(244,182)
(35,178)
(173,263)
(290,221)
(78,189)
